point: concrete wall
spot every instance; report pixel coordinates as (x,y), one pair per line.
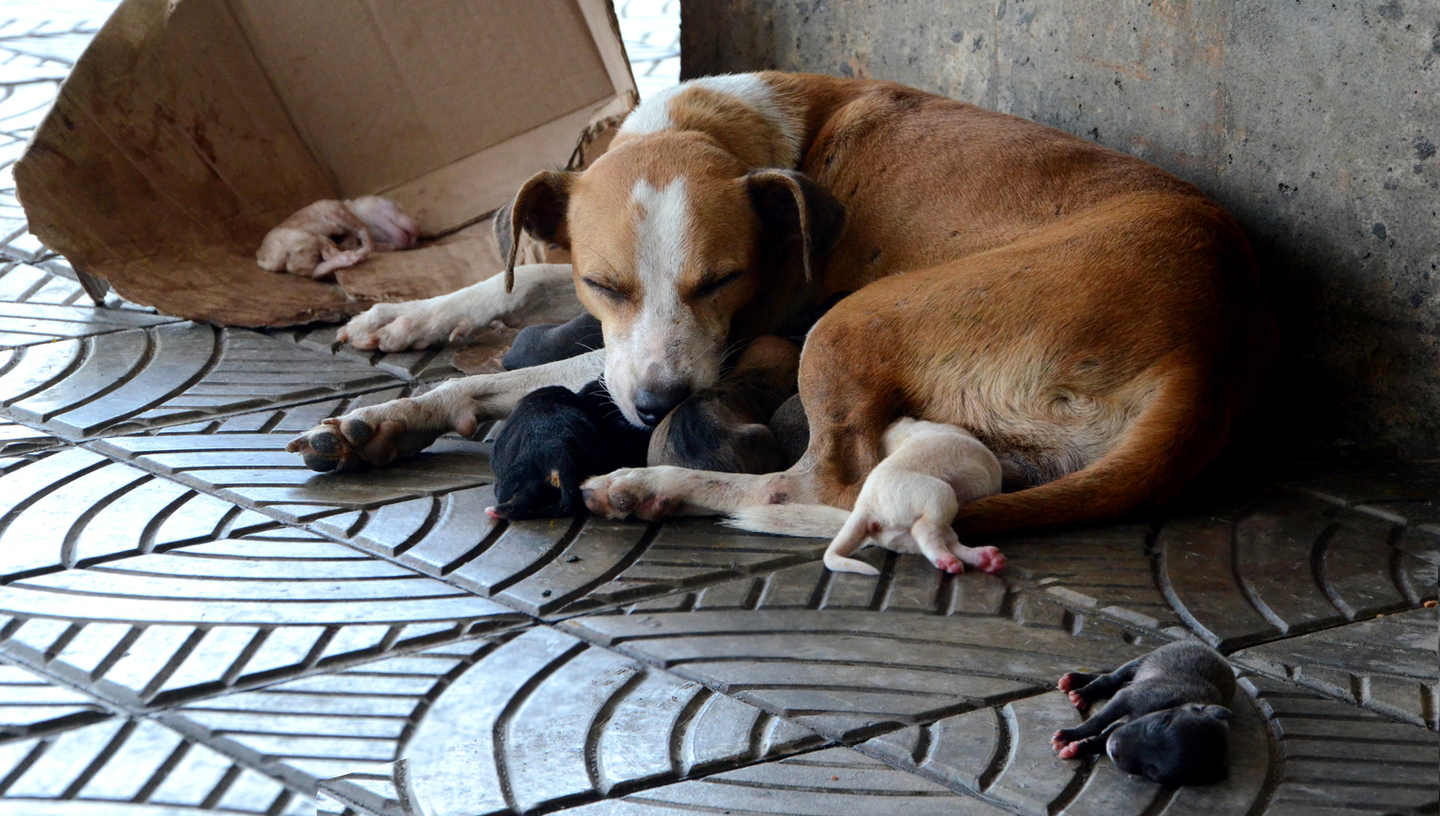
(1315,123)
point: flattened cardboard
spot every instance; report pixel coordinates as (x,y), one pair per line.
(190,128)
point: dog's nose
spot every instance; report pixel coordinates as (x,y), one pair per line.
(653,404)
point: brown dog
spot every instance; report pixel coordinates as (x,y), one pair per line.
(1094,321)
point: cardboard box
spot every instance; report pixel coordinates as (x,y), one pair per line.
(190,128)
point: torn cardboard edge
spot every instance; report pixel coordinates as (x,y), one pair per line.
(189,129)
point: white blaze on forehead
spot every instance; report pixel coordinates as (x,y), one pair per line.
(654,113)
(662,230)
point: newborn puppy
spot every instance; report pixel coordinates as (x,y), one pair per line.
(906,504)
(791,430)
(1178,726)
(389,227)
(910,499)
(554,440)
(724,428)
(330,235)
(552,342)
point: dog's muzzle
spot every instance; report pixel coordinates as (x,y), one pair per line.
(653,404)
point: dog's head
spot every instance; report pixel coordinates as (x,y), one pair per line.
(671,236)
(289,250)
(1184,745)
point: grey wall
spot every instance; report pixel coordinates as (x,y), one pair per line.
(1315,123)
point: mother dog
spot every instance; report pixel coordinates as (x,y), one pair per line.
(1095,321)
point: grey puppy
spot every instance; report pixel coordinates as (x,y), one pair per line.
(1175,700)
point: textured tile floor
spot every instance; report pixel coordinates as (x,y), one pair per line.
(192,622)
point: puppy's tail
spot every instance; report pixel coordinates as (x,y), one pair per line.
(800,520)
(810,521)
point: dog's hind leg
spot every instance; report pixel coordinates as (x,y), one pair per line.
(376,435)
(1177,433)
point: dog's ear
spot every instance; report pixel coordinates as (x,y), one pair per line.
(1219,712)
(787,202)
(539,209)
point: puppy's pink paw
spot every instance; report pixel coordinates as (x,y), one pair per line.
(950,564)
(1068,750)
(1078,700)
(988,560)
(1065,681)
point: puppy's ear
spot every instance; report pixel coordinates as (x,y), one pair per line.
(1219,712)
(539,209)
(788,201)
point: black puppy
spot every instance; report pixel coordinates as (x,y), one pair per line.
(1174,697)
(552,342)
(554,440)
(723,428)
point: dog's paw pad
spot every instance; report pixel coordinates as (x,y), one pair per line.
(357,431)
(323,449)
(989,560)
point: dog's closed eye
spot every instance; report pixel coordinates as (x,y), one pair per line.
(606,290)
(715,283)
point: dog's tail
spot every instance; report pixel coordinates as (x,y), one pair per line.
(800,520)
(1176,435)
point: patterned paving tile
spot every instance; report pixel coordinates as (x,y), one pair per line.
(77,507)
(26,324)
(243,460)
(498,727)
(832,781)
(1295,564)
(559,567)
(1336,758)
(1387,664)
(16,439)
(1291,563)
(152,629)
(30,705)
(1107,569)
(125,767)
(163,375)
(851,655)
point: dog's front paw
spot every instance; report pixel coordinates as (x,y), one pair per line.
(372,437)
(628,491)
(403,326)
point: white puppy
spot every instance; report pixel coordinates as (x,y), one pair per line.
(906,504)
(330,235)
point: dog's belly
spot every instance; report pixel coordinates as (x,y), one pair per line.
(1047,349)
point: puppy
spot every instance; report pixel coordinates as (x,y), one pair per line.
(330,235)
(725,428)
(906,504)
(554,440)
(1178,726)
(552,342)
(791,430)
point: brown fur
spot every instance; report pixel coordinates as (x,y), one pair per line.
(1094,320)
